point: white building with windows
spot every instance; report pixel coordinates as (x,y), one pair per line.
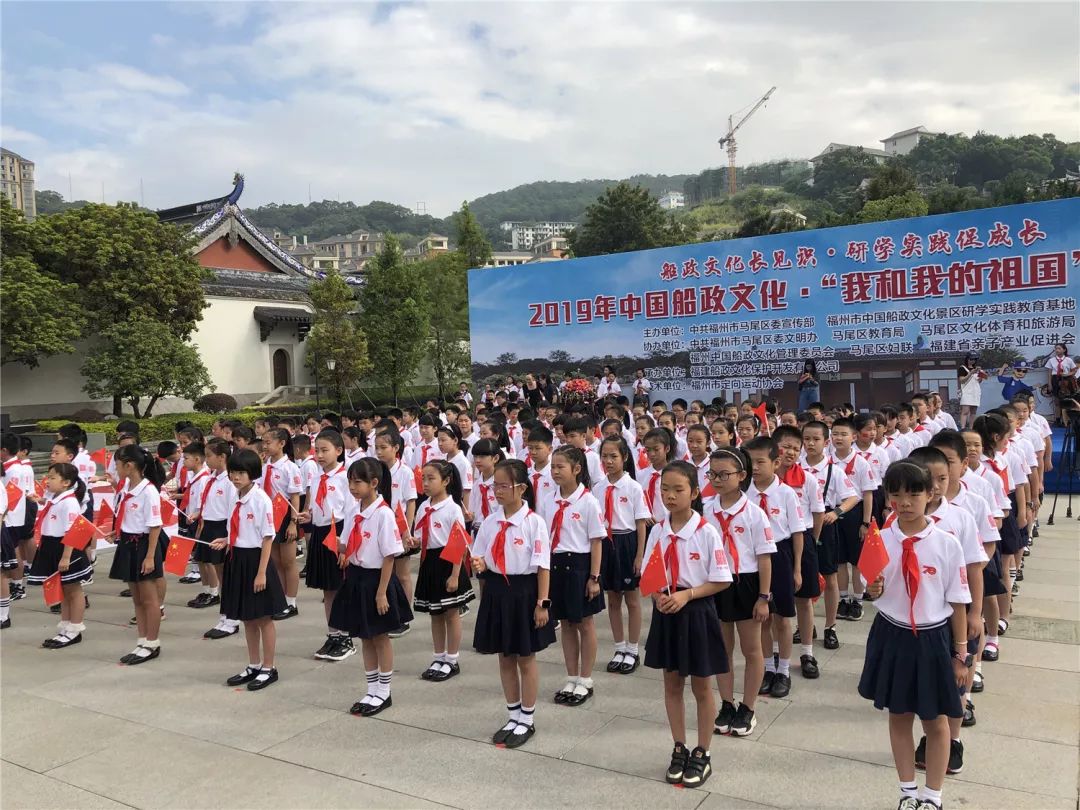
(523,235)
(670,200)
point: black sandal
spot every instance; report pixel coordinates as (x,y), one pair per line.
(441,676)
(616,662)
(629,664)
(577,699)
(372,709)
(430,673)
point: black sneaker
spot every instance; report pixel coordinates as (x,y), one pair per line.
(920,755)
(203,600)
(191,577)
(405,628)
(855,611)
(781,686)
(1020,575)
(842,610)
(698,768)
(1027,550)
(809,667)
(908,803)
(17,592)
(831,641)
(342,649)
(956,757)
(326,647)
(744,723)
(287,613)
(1016,589)
(299,550)
(796,638)
(969,715)
(725,718)
(5,624)
(679,757)
(766,683)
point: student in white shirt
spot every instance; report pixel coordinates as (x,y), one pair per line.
(453,448)
(486,454)
(916,654)
(211,514)
(576,531)
(389,447)
(139,555)
(371,602)
(854,525)
(623,510)
(609,386)
(540,442)
(281,476)
(659,446)
(641,387)
(698,447)
(512,554)
(250,585)
(685,637)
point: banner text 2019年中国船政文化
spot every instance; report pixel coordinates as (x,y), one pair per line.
(740,314)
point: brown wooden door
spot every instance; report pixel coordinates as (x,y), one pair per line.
(281,368)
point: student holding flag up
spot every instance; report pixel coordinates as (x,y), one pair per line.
(250,587)
(443,587)
(65,492)
(916,654)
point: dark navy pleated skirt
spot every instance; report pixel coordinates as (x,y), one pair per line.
(688,642)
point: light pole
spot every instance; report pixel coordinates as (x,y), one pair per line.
(330,365)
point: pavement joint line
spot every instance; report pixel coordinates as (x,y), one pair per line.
(48,775)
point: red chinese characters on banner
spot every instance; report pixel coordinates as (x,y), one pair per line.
(630,306)
(684,302)
(734,264)
(712,300)
(1030,233)
(712,267)
(884,247)
(669,271)
(999,236)
(780,260)
(690,269)
(968,239)
(757,262)
(939,242)
(805,257)
(856,251)
(911,246)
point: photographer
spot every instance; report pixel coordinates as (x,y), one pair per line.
(971,376)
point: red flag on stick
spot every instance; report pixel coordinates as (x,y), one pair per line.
(104,517)
(456,545)
(178,554)
(14,493)
(168,512)
(281,509)
(100,457)
(874,557)
(52,590)
(331,540)
(402,523)
(39,488)
(763,415)
(80,534)
(653,575)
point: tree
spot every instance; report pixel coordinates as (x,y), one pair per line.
(900,206)
(506,359)
(888,180)
(560,357)
(473,246)
(335,335)
(838,174)
(139,357)
(625,218)
(395,316)
(946,199)
(760,221)
(448,296)
(40,316)
(52,202)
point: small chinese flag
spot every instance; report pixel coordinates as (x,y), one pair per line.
(80,533)
(821,588)
(281,509)
(176,558)
(168,512)
(418,477)
(39,522)
(14,492)
(104,517)
(402,523)
(39,488)
(331,541)
(762,415)
(100,457)
(653,575)
(874,558)
(52,590)
(642,459)
(456,545)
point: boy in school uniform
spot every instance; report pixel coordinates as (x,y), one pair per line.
(539,446)
(578,435)
(854,524)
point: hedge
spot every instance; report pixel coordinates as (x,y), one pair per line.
(156,428)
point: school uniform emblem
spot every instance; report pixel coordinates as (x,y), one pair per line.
(695,555)
(623,499)
(519,542)
(929,570)
(718,555)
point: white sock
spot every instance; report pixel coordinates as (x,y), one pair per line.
(290,601)
(382,690)
(631,648)
(525,717)
(74,629)
(5,608)
(808,649)
(927,794)
(214,591)
(451,658)
(785,666)
(620,646)
(992,640)
(770,664)
(372,676)
(776,648)
(514,710)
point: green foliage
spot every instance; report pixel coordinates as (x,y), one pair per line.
(838,174)
(888,180)
(625,218)
(40,315)
(214,403)
(945,198)
(560,357)
(712,184)
(52,202)
(394,315)
(473,246)
(319,220)
(900,206)
(336,335)
(138,358)
(447,293)
(760,221)
(157,428)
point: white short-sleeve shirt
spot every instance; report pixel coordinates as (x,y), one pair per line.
(961,525)
(784,512)
(216,496)
(627,503)
(444,515)
(749,532)
(282,476)
(256,518)
(840,487)
(942,577)
(527,546)
(63,509)
(649,478)
(338,499)
(379,533)
(859,471)
(968,500)
(699,550)
(581,522)
(142,507)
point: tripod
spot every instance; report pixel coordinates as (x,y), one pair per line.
(1067,461)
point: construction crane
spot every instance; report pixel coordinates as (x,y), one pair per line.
(729,139)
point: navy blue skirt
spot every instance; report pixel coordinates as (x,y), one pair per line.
(811,588)
(239,601)
(910,674)
(569,577)
(47,563)
(736,602)
(783,579)
(354,610)
(431,595)
(323,572)
(688,642)
(504,622)
(212,530)
(1012,541)
(26,531)
(992,572)
(131,550)
(617,562)
(9,561)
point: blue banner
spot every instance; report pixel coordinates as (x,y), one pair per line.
(744,313)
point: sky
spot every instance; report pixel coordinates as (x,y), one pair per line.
(434,103)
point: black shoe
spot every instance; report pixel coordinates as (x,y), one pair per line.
(855,611)
(372,709)
(725,718)
(842,610)
(217,632)
(190,578)
(440,674)
(908,803)
(744,723)
(809,667)
(969,715)
(920,755)
(977,684)
(54,608)
(5,624)
(287,613)
(766,683)
(796,638)
(1020,575)
(499,737)
(679,758)
(132,659)
(629,664)
(698,768)
(303,571)
(518,738)
(990,653)
(405,628)
(1027,550)
(866,597)
(1034,531)
(203,600)
(956,757)
(326,647)
(86,602)
(342,649)
(263,679)
(1016,589)
(831,641)
(125,593)
(781,686)
(246,676)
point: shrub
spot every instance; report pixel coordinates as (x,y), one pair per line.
(156,428)
(87,415)
(215,403)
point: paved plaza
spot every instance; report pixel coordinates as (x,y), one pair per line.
(81,731)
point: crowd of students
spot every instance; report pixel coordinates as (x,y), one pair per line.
(550,518)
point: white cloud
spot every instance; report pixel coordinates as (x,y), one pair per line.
(449,101)
(9,135)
